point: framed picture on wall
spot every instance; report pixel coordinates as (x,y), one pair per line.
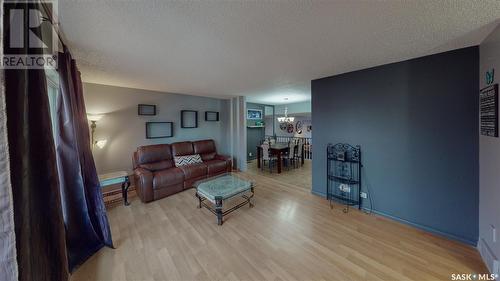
(298,127)
(146,109)
(254,114)
(156,130)
(189,119)
(489,111)
(211,116)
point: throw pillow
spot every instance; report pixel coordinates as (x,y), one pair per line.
(187,160)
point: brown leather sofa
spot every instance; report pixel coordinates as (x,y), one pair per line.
(156,176)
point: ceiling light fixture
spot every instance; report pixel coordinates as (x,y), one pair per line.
(286,118)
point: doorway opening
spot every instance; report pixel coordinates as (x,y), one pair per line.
(279,148)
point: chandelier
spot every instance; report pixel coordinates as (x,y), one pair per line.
(286,119)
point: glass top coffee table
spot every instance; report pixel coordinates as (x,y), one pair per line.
(220,189)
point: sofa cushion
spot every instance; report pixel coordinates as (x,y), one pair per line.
(216,166)
(194,171)
(156,166)
(153,153)
(208,156)
(167,177)
(187,160)
(182,148)
(206,148)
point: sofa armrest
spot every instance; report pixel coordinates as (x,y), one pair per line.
(144,184)
(229,161)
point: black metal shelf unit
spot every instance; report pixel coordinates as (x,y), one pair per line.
(344,174)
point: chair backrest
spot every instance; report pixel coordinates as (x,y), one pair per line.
(182,148)
(154,157)
(291,148)
(299,150)
(265,151)
(295,150)
(206,148)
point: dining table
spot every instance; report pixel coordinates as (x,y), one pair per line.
(277,149)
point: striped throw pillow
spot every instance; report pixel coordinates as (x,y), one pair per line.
(187,160)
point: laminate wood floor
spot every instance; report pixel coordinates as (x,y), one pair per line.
(290,234)
(300,177)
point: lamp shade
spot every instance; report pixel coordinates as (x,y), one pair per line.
(101,143)
(94,117)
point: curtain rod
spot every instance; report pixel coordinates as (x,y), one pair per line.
(55,25)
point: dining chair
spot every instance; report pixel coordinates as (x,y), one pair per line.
(290,156)
(298,155)
(271,159)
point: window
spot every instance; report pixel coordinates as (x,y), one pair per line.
(53,91)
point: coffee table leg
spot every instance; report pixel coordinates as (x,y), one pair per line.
(218,211)
(125,186)
(199,200)
(250,204)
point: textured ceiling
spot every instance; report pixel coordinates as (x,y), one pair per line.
(265,50)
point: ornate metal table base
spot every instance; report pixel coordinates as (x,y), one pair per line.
(218,210)
(125,186)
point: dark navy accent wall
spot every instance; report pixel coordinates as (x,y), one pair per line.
(417,124)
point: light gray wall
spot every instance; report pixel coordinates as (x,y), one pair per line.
(225,123)
(269,123)
(301,111)
(125,129)
(304,118)
(238,132)
(489,154)
(298,107)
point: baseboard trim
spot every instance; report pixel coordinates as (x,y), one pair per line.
(488,256)
(427,228)
(416,225)
(320,194)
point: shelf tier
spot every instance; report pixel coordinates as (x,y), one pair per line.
(344,200)
(346,161)
(343,179)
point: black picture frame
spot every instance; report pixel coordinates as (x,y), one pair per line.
(146,109)
(169,126)
(254,114)
(185,122)
(211,116)
(489,111)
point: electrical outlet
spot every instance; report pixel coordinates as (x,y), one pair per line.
(363,195)
(494,233)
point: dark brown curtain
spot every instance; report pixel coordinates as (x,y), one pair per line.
(40,235)
(38,219)
(87,228)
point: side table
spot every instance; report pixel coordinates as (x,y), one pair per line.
(115,178)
